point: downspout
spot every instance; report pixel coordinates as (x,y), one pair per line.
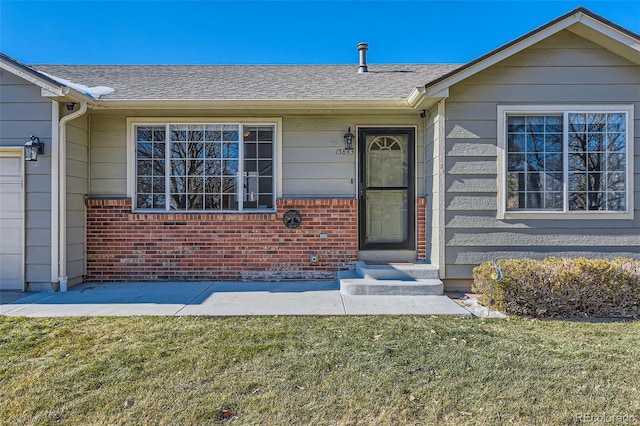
(55,191)
(427,207)
(442,139)
(425,118)
(62,194)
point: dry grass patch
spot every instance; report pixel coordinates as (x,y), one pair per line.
(307,370)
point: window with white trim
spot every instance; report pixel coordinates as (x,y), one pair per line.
(569,161)
(204,167)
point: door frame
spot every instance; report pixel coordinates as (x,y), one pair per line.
(411,132)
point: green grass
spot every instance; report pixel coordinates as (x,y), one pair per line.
(308,370)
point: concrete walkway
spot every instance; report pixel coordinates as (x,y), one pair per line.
(218,299)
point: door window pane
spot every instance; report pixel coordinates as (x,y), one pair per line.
(387,161)
(386,216)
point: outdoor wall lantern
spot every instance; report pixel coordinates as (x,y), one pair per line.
(348,140)
(33,148)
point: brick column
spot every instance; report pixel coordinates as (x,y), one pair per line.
(422,228)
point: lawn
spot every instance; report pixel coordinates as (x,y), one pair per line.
(317,370)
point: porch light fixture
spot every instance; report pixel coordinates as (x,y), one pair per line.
(33,148)
(348,140)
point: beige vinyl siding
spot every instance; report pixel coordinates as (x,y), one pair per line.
(310,165)
(108,155)
(24,112)
(77,188)
(563,69)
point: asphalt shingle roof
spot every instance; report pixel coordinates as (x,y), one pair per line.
(246,82)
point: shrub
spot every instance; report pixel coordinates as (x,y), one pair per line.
(591,288)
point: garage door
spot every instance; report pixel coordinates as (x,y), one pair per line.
(11,221)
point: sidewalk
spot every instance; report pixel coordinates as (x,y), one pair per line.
(218,299)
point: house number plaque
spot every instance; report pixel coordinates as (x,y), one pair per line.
(292,219)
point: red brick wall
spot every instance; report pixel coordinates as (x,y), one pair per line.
(422,228)
(127,246)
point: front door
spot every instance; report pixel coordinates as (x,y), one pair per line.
(387,188)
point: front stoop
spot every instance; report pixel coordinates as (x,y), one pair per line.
(392,279)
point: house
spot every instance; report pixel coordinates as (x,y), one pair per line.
(296,172)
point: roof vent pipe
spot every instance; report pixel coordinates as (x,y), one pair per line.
(362,48)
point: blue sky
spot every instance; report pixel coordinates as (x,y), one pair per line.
(275,32)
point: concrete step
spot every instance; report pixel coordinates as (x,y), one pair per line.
(368,286)
(397,271)
(401,279)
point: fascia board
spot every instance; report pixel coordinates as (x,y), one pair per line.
(610,29)
(605,30)
(416,95)
(77,96)
(68,94)
(44,83)
(610,38)
(49,87)
(286,104)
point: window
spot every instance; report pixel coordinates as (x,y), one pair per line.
(575,161)
(204,167)
(534,170)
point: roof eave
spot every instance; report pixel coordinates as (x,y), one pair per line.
(419,100)
(282,104)
(68,94)
(27,73)
(612,37)
(49,87)
(568,21)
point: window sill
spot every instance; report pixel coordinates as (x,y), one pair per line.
(592,215)
(203,212)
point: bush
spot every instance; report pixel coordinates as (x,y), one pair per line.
(590,288)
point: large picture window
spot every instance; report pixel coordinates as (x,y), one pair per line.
(204,167)
(571,161)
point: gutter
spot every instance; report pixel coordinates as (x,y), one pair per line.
(233,104)
(416,95)
(78,97)
(419,98)
(62,194)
